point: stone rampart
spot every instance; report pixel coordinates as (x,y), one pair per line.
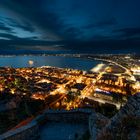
(31,130)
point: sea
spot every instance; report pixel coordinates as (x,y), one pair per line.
(55,61)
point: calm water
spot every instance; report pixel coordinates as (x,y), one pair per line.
(57,61)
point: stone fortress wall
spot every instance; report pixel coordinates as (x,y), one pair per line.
(31,130)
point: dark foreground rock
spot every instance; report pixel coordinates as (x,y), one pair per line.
(125,125)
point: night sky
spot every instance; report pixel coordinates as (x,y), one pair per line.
(96,26)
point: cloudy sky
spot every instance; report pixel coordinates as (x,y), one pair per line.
(81,25)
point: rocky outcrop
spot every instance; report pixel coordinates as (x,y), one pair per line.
(127,118)
(96,123)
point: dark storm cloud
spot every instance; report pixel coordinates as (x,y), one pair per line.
(72,33)
(14,41)
(104,23)
(26,26)
(4,28)
(130,32)
(78,24)
(32,11)
(56,17)
(15,38)
(47,20)
(9,36)
(106,46)
(29,40)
